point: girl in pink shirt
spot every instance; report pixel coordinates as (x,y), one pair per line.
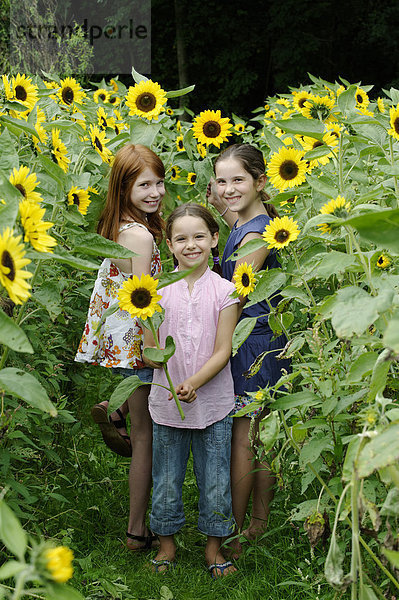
(201,316)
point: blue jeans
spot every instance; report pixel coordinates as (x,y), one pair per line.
(211,455)
(145,374)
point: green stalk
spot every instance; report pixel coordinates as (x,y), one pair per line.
(395,179)
(365,266)
(165,368)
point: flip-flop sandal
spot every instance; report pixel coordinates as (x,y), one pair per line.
(162,563)
(109,430)
(221,566)
(148,541)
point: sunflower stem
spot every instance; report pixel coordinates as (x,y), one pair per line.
(395,179)
(165,368)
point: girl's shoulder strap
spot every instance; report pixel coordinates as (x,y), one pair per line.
(131,224)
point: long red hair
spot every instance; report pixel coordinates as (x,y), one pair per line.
(129,162)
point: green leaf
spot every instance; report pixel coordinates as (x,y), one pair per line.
(58,591)
(390,508)
(291,347)
(333,566)
(28,388)
(296,400)
(392,556)
(379,375)
(268,284)
(269,429)
(64,256)
(242,331)
(13,336)
(317,152)
(291,291)
(181,92)
(166,279)
(302,126)
(323,185)
(52,169)
(10,569)
(391,335)
(383,450)
(351,453)
(278,323)
(9,156)
(123,391)
(381,228)
(97,245)
(137,76)
(144,133)
(347,100)
(272,141)
(17,125)
(12,197)
(331,263)
(11,532)
(48,295)
(374,132)
(362,366)
(312,449)
(366,592)
(247,248)
(161,355)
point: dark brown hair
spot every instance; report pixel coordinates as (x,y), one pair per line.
(253,163)
(195,210)
(129,162)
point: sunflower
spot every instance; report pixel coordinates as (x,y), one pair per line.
(70,91)
(146,99)
(287,169)
(59,152)
(362,99)
(201,150)
(113,84)
(80,198)
(180,144)
(289,202)
(101,95)
(310,143)
(52,85)
(394,122)
(35,229)
(364,111)
(12,261)
(333,129)
(191,178)
(240,128)
(23,90)
(174,173)
(210,128)
(280,232)
(300,99)
(26,183)
(338,207)
(41,132)
(288,113)
(139,296)
(114,100)
(380,105)
(169,111)
(244,279)
(58,563)
(383,262)
(284,102)
(104,120)
(178,125)
(340,90)
(318,107)
(98,141)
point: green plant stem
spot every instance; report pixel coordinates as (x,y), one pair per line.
(355,558)
(165,368)
(395,179)
(340,167)
(365,266)
(394,473)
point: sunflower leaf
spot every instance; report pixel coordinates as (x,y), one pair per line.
(13,336)
(302,126)
(123,391)
(242,331)
(268,284)
(247,248)
(347,100)
(27,387)
(181,92)
(168,278)
(137,77)
(96,245)
(11,533)
(381,228)
(8,211)
(18,124)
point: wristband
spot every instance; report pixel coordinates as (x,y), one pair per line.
(224,212)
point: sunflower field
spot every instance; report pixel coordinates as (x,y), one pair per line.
(332,436)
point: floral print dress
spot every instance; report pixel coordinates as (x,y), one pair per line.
(119,340)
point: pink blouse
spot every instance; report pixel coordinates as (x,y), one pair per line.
(192,321)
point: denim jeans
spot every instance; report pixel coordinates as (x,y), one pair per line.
(211,456)
(145,374)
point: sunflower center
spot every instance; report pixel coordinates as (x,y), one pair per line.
(396,125)
(75,199)
(174,173)
(141,298)
(245,280)
(146,102)
(67,95)
(112,100)
(21,93)
(380,261)
(359,99)
(301,102)
(103,122)
(21,189)
(288,170)
(282,236)
(102,97)
(98,144)
(211,129)
(317,144)
(7,261)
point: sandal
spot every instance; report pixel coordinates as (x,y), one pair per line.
(118,442)
(221,566)
(147,539)
(162,563)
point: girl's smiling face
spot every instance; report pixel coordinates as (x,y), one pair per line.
(147,192)
(191,242)
(236,186)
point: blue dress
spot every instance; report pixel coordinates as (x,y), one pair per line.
(261,337)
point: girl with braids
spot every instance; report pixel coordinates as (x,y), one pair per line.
(131,218)
(201,316)
(238,195)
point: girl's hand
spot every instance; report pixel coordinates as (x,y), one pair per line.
(185,392)
(214,198)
